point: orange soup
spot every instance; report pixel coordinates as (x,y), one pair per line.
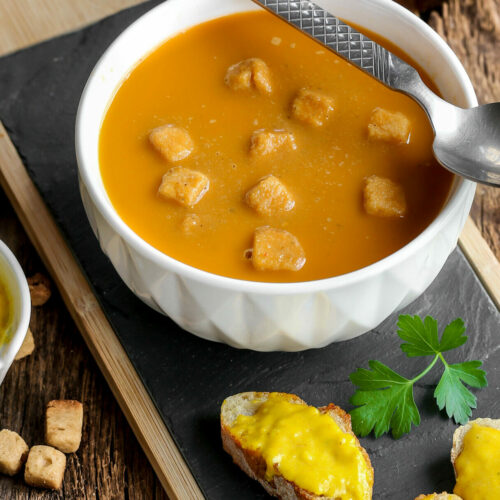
(243,148)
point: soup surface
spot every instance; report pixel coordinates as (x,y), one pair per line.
(182,83)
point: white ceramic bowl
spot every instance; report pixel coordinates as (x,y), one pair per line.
(268,316)
(12,275)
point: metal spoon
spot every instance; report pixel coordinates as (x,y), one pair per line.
(467,141)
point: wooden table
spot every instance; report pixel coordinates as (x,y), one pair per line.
(110,463)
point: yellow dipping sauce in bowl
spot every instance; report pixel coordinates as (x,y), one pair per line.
(478,465)
(5,314)
(307,447)
(15,308)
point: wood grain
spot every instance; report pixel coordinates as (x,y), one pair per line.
(110,462)
(111,358)
(482,259)
(25,22)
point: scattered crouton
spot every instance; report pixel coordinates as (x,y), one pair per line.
(264,142)
(251,73)
(269,196)
(63,425)
(189,223)
(173,143)
(183,185)
(439,496)
(39,286)
(27,347)
(383,197)
(389,126)
(45,467)
(276,250)
(312,107)
(13,452)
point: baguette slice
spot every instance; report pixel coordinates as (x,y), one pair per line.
(439,496)
(254,465)
(459,435)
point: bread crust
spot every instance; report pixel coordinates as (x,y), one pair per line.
(439,496)
(254,465)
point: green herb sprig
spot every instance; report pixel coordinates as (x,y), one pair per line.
(384,399)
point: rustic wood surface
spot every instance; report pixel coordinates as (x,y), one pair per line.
(25,22)
(106,349)
(110,463)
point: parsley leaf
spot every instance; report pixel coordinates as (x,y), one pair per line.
(384,399)
(452,394)
(421,336)
(453,336)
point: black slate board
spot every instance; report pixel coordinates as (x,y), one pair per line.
(187,377)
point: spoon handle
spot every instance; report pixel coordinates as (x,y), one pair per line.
(335,35)
(358,49)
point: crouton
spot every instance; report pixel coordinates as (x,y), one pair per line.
(312,107)
(173,143)
(264,142)
(39,287)
(63,425)
(383,197)
(251,73)
(276,250)
(45,467)
(439,496)
(27,347)
(189,223)
(269,196)
(389,126)
(183,185)
(253,463)
(13,452)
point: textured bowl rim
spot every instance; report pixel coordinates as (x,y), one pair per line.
(23,310)
(462,193)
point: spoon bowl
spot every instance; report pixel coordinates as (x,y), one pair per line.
(470,146)
(467,140)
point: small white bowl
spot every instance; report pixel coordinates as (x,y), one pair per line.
(268,316)
(13,277)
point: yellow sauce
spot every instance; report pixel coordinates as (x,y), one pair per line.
(5,314)
(478,465)
(307,448)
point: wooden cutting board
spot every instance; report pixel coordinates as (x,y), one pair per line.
(147,422)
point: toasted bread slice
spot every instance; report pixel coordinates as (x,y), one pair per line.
(439,496)
(459,435)
(482,480)
(254,465)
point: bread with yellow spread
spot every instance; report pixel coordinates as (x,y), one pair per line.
(475,456)
(253,463)
(459,435)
